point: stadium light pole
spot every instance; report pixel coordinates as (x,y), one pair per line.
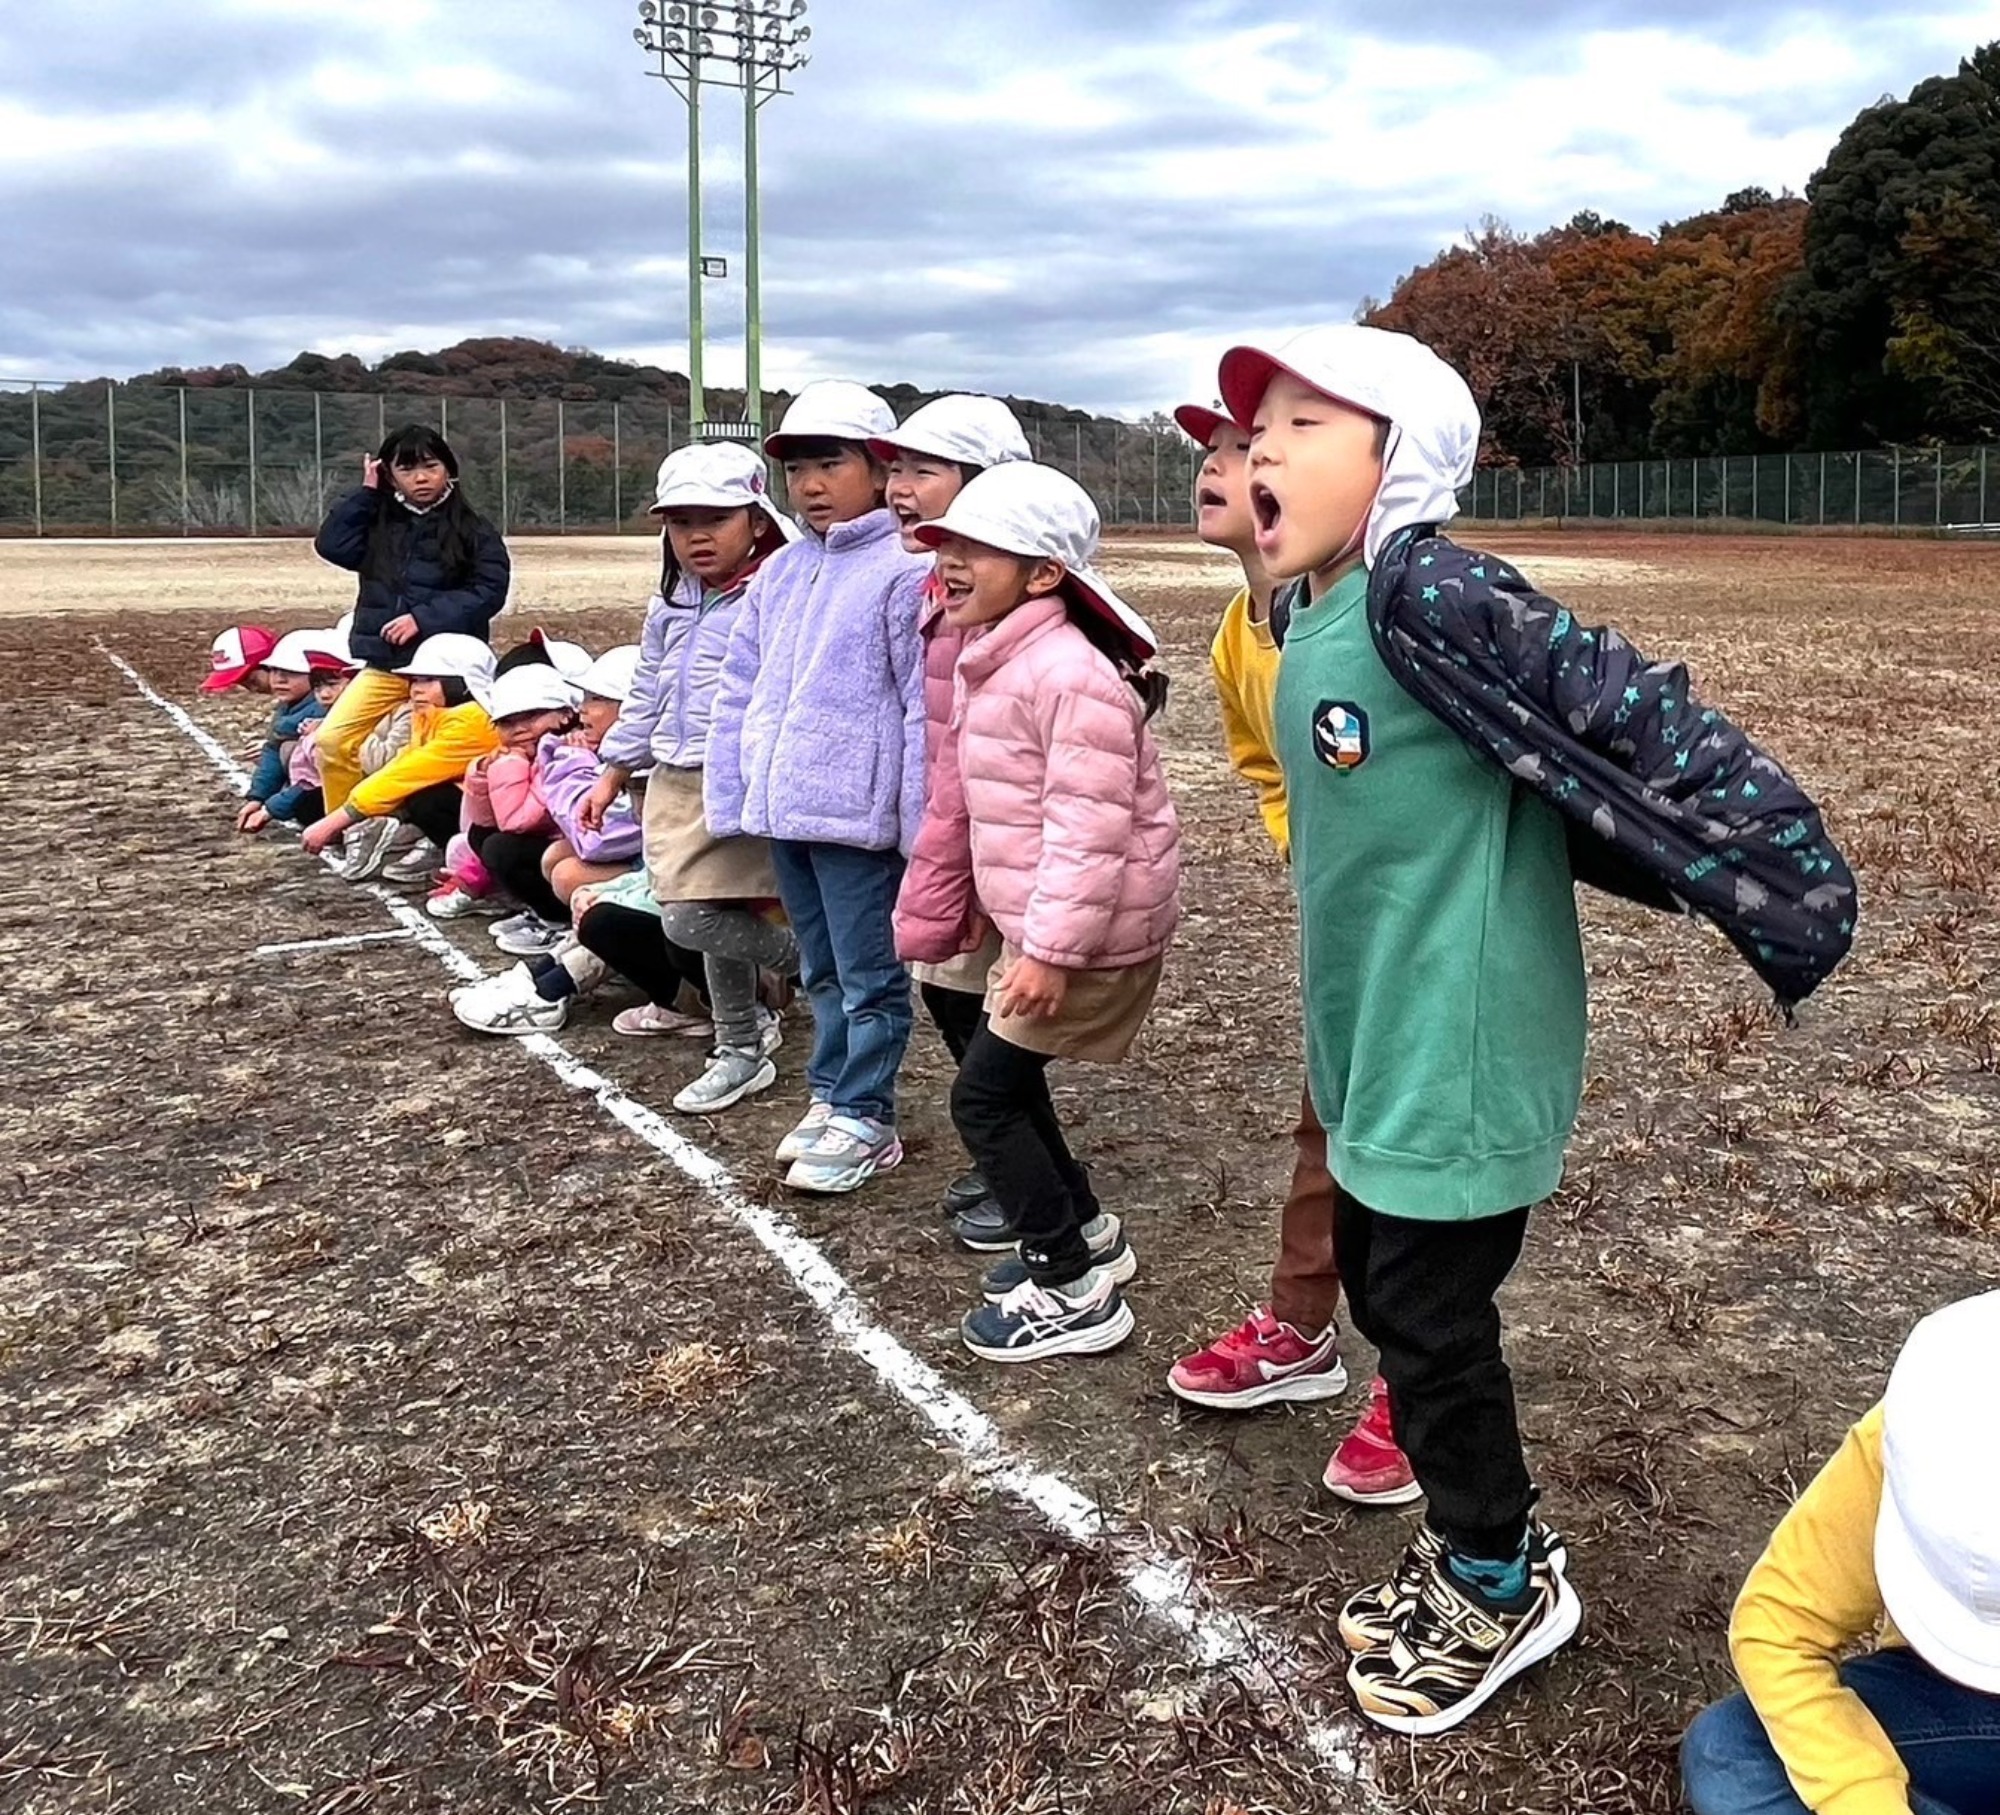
(751,45)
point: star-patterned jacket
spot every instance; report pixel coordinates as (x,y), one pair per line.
(1668,803)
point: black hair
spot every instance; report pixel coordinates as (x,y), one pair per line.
(456,692)
(458,523)
(1150,684)
(769,539)
(824,447)
(530,654)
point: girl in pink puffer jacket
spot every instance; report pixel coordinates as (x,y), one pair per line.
(1064,839)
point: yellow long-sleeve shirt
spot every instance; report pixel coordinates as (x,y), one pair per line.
(444,742)
(1810,1596)
(1245,657)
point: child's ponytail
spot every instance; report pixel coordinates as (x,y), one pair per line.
(1150,684)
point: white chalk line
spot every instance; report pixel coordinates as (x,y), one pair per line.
(1163,1587)
(336,943)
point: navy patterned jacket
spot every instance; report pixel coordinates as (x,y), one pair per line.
(1668,803)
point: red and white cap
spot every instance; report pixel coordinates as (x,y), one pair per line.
(1937,1534)
(832,409)
(1199,423)
(301,651)
(612,675)
(568,659)
(971,430)
(1026,509)
(532,687)
(1432,415)
(237,654)
(718,475)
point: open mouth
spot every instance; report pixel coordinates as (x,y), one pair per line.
(1210,499)
(957,592)
(1265,506)
(907,515)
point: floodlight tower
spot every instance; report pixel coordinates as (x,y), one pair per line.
(751,45)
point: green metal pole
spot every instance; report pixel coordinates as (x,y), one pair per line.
(697,332)
(753,296)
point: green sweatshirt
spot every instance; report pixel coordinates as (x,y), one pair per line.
(1443,972)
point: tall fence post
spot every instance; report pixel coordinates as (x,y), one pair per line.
(35,434)
(319,458)
(187,497)
(562,471)
(1788,491)
(444,418)
(1156,476)
(1896,485)
(1982,483)
(381,419)
(505,520)
(250,416)
(617,468)
(1822,488)
(1938,518)
(1756,473)
(111,446)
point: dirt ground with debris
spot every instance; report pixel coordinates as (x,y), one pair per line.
(386,1429)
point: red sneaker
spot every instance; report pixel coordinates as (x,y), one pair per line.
(1368,1468)
(1260,1362)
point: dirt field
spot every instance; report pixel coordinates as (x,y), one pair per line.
(388,1427)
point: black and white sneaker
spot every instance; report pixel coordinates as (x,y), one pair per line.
(985,1228)
(966,1192)
(1110,1253)
(1368,1618)
(1085,1317)
(1450,1653)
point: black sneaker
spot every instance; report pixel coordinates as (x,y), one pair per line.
(1085,1317)
(1110,1253)
(966,1192)
(985,1229)
(1450,1653)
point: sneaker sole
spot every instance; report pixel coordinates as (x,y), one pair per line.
(1562,1624)
(1099,1339)
(504,1033)
(1304,1389)
(847,1181)
(1406,1495)
(519,948)
(1121,1272)
(755,1085)
(995,1246)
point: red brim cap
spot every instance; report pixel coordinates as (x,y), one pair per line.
(1199,424)
(225,678)
(324,661)
(1245,376)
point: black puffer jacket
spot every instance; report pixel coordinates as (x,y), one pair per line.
(420,587)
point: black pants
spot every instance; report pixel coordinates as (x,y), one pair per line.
(635,945)
(1001,1108)
(514,860)
(434,811)
(1422,1293)
(312,806)
(959,1015)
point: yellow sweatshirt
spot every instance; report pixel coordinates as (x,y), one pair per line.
(1245,656)
(444,741)
(1810,1596)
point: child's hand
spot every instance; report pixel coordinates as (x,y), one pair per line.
(1032,990)
(977,926)
(253,818)
(581,902)
(598,801)
(323,832)
(371,472)
(400,630)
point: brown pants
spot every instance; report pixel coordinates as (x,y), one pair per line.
(1305,1284)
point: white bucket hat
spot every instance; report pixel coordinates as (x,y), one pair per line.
(568,659)
(1937,1537)
(611,676)
(1433,418)
(974,431)
(1025,509)
(833,409)
(453,656)
(718,475)
(296,648)
(533,687)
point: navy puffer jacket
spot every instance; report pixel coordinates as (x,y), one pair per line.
(419,586)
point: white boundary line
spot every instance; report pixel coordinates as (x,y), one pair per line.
(334,944)
(1161,1586)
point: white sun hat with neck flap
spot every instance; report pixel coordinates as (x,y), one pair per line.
(1034,511)
(718,475)
(967,429)
(1432,416)
(612,675)
(832,409)
(453,656)
(532,687)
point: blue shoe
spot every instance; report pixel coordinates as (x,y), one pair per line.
(1085,1317)
(1110,1253)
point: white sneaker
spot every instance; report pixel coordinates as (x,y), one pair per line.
(452,900)
(507,1004)
(770,1032)
(731,1076)
(364,848)
(651,1018)
(805,1137)
(849,1152)
(419,863)
(529,936)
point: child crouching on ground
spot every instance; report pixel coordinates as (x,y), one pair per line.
(300,801)
(296,705)
(930,460)
(1287,1350)
(1064,836)
(1897,1540)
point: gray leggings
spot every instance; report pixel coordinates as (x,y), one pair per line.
(735,944)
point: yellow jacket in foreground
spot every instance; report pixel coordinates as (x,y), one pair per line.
(1811,1595)
(1245,656)
(444,743)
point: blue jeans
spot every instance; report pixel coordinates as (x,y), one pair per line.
(840,901)
(1947,1736)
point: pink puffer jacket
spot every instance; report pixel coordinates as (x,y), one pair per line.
(1064,836)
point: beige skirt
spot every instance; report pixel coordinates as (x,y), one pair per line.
(967,973)
(685,861)
(1100,1018)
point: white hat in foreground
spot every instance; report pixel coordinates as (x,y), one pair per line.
(453,657)
(973,431)
(832,409)
(1937,1537)
(296,650)
(718,475)
(1025,509)
(611,676)
(1433,418)
(533,687)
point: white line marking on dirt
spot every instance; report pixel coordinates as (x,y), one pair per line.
(328,945)
(1161,1586)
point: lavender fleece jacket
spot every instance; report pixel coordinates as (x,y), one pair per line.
(818,727)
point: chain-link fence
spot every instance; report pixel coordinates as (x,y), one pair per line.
(1943,488)
(104,459)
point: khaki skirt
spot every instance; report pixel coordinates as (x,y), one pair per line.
(685,861)
(967,973)
(1100,1017)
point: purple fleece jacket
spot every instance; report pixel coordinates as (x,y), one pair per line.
(818,726)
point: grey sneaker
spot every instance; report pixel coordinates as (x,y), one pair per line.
(849,1152)
(365,848)
(419,863)
(1110,1254)
(731,1076)
(803,1138)
(530,936)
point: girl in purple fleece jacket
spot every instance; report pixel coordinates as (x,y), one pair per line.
(817,743)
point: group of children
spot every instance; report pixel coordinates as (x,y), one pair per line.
(903,736)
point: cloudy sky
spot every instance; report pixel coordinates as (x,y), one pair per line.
(1069,199)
